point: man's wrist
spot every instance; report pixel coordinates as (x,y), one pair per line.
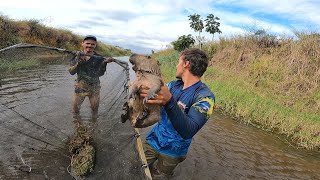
(170,103)
(108,59)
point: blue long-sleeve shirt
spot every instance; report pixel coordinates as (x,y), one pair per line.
(181,118)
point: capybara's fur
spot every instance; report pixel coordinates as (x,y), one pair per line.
(147,70)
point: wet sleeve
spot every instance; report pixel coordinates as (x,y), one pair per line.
(187,125)
(73,66)
(103,68)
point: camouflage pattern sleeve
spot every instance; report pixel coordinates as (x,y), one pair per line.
(103,68)
(73,66)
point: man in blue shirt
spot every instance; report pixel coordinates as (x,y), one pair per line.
(187,104)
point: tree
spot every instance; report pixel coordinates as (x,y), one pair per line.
(212,24)
(197,25)
(183,42)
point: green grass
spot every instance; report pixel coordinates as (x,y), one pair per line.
(263,109)
(168,60)
(7,66)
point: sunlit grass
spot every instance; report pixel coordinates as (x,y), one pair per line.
(168,60)
(264,109)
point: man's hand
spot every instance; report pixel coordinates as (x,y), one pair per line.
(162,97)
(79,57)
(108,59)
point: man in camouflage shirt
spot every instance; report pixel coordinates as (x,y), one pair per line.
(88,70)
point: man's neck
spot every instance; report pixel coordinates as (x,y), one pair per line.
(189,80)
(89,52)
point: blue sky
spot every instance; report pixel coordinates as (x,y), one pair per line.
(145,25)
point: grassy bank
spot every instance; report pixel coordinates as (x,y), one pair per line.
(34,32)
(273,85)
(6,66)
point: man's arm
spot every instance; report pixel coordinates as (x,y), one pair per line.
(103,67)
(187,125)
(74,62)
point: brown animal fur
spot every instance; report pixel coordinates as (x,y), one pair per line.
(147,70)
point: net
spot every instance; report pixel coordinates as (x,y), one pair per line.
(36,122)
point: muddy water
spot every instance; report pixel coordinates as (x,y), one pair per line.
(223,149)
(36,123)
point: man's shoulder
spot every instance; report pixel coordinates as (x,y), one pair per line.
(176,82)
(204,91)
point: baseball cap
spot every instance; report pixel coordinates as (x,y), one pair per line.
(90,37)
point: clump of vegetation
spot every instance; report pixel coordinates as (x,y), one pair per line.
(82,152)
(183,42)
(83,163)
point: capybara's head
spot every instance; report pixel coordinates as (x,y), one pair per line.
(145,63)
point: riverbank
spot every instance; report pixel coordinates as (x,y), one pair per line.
(35,32)
(274,87)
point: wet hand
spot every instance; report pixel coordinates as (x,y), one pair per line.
(162,97)
(79,57)
(108,60)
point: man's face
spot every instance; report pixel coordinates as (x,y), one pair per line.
(89,46)
(180,67)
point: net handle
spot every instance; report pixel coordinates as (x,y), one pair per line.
(26,45)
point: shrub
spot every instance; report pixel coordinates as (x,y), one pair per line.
(183,42)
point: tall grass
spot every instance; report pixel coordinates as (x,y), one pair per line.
(168,59)
(34,32)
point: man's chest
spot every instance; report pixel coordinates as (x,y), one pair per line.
(184,99)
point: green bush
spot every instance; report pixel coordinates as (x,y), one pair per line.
(183,42)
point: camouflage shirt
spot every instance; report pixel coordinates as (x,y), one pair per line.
(90,70)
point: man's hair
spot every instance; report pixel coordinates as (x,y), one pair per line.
(198,60)
(91,37)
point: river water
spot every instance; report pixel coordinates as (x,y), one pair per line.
(223,149)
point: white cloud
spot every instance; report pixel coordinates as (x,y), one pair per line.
(142,25)
(302,10)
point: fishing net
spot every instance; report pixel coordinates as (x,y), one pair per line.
(38,136)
